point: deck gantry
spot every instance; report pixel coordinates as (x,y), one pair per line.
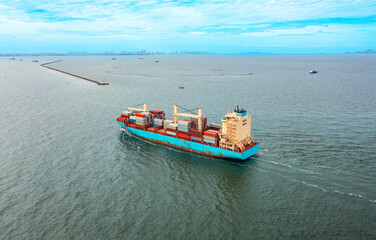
(198,116)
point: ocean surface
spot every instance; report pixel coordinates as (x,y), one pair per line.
(67,172)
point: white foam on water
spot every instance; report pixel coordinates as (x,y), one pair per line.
(289,166)
(258,169)
(334,191)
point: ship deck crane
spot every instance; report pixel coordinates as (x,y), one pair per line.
(198,116)
(138,109)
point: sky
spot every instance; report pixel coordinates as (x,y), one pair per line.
(213,26)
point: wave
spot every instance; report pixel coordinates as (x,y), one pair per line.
(215,75)
(358,195)
(322,166)
(289,166)
(335,191)
(133,74)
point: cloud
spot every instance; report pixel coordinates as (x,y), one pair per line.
(306,26)
(176,19)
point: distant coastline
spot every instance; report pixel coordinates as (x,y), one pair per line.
(138,53)
(145,53)
(369,51)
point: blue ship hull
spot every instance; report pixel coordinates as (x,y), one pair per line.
(190,146)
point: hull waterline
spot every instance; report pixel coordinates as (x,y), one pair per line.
(190,146)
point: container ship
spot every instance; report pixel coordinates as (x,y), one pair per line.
(232,139)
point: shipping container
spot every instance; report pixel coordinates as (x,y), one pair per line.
(151,129)
(126,113)
(146,114)
(210,133)
(196,139)
(167,122)
(210,142)
(183,132)
(172,126)
(157,112)
(209,138)
(162,131)
(139,119)
(140,127)
(158,121)
(171,133)
(196,133)
(185,136)
(215,126)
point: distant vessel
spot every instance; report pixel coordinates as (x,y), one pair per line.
(181,87)
(156,61)
(35,61)
(312,72)
(231,139)
(113,58)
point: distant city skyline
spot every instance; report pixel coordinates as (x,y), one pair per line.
(229,27)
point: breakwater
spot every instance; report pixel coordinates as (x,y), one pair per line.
(74,75)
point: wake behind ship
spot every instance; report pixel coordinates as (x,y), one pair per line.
(231,139)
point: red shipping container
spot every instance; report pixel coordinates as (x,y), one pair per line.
(140,127)
(210,133)
(182,132)
(162,131)
(196,133)
(152,129)
(156,112)
(185,136)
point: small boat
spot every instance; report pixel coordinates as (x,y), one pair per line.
(156,61)
(181,87)
(35,61)
(312,72)
(113,58)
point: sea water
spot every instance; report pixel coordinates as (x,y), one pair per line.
(67,172)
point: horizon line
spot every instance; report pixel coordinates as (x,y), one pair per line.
(145,53)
